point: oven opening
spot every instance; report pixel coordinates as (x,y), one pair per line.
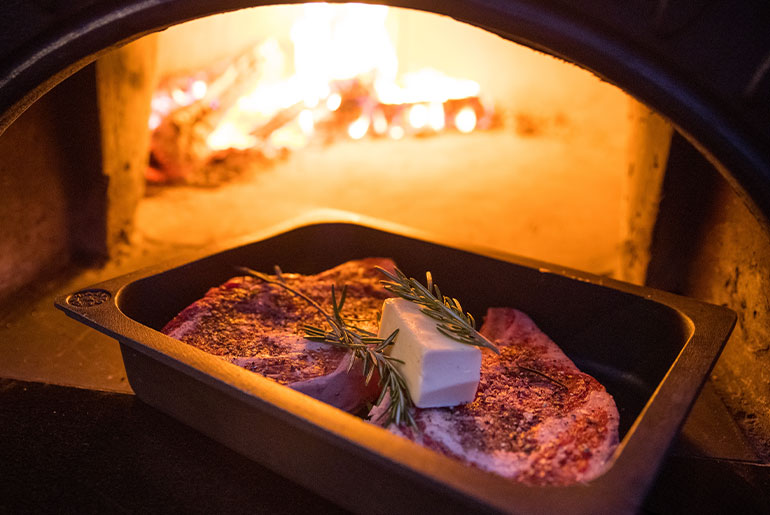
(395,114)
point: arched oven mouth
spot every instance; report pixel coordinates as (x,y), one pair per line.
(697,225)
(648,52)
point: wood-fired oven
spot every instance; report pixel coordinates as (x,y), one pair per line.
(629,140)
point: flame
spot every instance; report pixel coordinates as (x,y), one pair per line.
(426,85)
(337,42)
(336,49)
(228,135)
(306,121)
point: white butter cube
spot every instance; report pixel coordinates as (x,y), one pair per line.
(438,370)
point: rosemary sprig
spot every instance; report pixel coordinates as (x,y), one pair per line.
(363,344)
(447,311)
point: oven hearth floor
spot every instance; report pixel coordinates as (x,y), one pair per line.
(551,196)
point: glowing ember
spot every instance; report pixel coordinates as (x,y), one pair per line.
(396,132)
(306,121)
(199,89)
(344,83)
(359,128)
(379,123)
(333,102)
(465,120)
(418,116)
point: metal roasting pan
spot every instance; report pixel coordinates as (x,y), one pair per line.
(651,349)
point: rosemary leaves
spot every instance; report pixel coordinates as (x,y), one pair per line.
(447,311)
(364,346)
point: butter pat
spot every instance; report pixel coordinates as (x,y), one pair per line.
(438,370)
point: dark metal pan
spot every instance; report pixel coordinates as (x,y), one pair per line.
(651,349)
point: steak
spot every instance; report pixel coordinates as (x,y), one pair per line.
(555,430)
(258,326)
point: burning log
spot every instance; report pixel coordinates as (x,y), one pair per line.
(178,145)
(181,144)
(279,119)
(244,112)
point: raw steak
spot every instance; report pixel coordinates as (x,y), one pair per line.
(521,425)
(258,326)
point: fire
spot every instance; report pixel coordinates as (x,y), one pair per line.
(344,82)
(341,42)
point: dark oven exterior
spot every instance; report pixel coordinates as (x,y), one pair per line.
(705,66)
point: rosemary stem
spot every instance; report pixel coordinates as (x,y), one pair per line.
(363,345)
(284,285)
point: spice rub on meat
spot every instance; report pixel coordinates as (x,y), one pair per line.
(558,428)
(259,326)
(522,425)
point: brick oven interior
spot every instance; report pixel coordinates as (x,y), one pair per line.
(575,172)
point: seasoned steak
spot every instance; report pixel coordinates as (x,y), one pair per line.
(258,326)
(522,425)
